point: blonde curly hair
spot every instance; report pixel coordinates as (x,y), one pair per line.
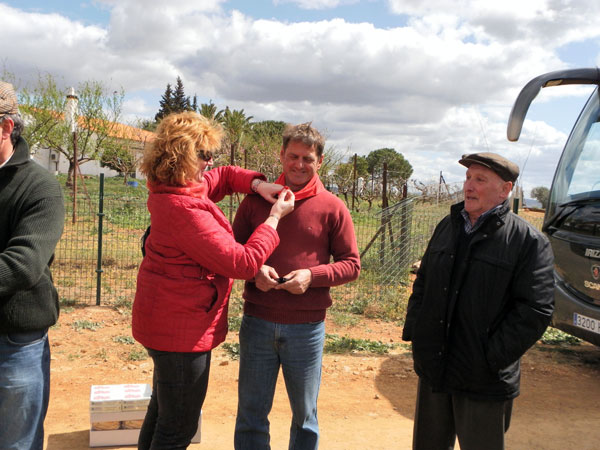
(181,138)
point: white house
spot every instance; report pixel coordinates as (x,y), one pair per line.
(58,163)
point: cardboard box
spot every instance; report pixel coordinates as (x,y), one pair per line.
(117,410)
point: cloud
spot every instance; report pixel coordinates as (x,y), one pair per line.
(49,43)
(438,86)
(541,22)
(136,107)
(316,4)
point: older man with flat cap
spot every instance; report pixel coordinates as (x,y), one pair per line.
(483,295)
(31,222)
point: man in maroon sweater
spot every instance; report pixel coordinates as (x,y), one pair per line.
(285,305)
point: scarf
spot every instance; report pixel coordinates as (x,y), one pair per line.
(312,188)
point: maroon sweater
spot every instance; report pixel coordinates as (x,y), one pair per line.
(320,227)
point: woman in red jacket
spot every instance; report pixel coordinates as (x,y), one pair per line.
(191,256)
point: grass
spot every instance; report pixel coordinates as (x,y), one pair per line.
(65,302)
(127,340)
(554,336)
(345,344)
(333,344)
(137,354)
(234,322)
(343,319)
(232,350)
(79,325)
(73,356)
(123,302)
(372,300)
(236,307)
(67,305)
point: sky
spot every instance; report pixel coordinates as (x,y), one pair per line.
(432,79)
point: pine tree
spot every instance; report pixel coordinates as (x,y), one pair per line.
(180,101)
(166,104)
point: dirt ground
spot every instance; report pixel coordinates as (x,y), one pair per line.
(366,401)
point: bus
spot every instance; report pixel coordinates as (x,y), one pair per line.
(572,218)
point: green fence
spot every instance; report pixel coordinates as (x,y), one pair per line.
(96,268)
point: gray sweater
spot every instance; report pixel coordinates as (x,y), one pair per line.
(31,223)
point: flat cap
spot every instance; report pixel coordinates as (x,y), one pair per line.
(507,170)
(8,99)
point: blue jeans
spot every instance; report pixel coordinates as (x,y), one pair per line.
(264,347)
(179,385)
(24,389)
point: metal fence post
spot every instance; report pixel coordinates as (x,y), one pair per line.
(100,219)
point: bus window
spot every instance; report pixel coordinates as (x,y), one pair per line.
(577,175)
(586,175)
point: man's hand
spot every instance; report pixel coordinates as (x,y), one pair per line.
(266,278)
(298,281)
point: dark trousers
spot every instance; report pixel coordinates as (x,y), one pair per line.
(179,388)
(440,418)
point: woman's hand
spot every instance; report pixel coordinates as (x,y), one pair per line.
(284,204)
(282,207)
(268,191)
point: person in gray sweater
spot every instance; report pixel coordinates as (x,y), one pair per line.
(31,223)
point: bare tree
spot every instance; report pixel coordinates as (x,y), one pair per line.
(43,106)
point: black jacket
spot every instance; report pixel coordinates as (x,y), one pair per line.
(471,320)
(31,223)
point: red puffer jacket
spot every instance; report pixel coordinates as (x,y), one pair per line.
(191,257)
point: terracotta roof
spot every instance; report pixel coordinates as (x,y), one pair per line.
(118,130)
(123,131)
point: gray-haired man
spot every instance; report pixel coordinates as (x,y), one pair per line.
(483,295)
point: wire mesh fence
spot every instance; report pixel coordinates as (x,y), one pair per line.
(99,253)
(94,267)
(76,254)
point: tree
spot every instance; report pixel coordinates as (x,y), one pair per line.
(236,124)
(210,111)
(174,101)
(121,159)
(332,157)
(125,154)
(180,101)
(147,124)
(166,104)
(345,178)
(99,110)
(268,130)
(541,194)
(398,167)
(262,145)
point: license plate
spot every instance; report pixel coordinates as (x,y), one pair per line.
(587,323)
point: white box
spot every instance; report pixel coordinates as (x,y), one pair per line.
(120,403)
